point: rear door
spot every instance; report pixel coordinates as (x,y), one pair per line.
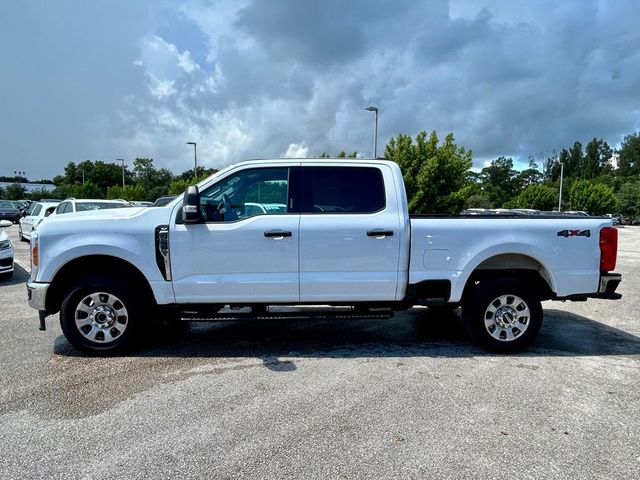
(349,234)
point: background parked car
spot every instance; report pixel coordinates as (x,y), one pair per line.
(9,212)
(162,201)
(21,205)
(34,216)
(6,251)
(71,205)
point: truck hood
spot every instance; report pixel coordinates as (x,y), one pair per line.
(108,220)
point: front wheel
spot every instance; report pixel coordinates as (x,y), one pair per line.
(101,315)
(504,315)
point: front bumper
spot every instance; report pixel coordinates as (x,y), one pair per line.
(37,295)
(6,263)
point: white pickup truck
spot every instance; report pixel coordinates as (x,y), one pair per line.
(263,234)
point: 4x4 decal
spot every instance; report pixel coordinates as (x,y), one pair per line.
(574,233)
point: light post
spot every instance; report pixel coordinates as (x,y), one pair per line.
(19,174)
(121,160)
(375,134)
(82,170)
(560,196)
(195,160)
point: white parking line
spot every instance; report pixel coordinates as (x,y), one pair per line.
(22,265)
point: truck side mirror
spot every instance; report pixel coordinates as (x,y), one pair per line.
(191,205)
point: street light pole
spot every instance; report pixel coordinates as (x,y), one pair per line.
(121,160)
(82,170)
(560,196)
(375,132)
(195,160)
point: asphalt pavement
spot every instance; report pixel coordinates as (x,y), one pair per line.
(409,397)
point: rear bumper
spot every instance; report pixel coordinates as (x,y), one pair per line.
(608,284)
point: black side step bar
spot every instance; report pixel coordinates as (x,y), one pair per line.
(346,314)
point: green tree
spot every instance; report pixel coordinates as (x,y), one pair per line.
(479,200)
(40,193)
(592,197)
(500,181)
(529,176)
(595,160)
(88,190)
(434,174)
(97,172)
(177,187)
(572,161)
(629,155)
(15,191)
(154,181)
(540,197)
(202,173)
(130,192)
(629,199)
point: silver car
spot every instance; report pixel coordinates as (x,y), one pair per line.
(6,251)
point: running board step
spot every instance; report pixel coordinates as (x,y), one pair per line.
(191,316)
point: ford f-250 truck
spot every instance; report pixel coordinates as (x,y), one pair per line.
(262,234)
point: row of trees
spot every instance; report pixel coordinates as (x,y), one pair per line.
(437,174)
(98,179)
(439,179)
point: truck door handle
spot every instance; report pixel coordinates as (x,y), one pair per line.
(277,233)
(379,233)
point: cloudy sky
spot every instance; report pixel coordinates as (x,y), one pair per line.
(102,80)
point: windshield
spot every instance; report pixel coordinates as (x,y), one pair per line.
(5,204)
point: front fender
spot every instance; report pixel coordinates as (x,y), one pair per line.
(57,251)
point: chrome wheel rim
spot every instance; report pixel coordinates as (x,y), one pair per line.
(507,318)
(101,317)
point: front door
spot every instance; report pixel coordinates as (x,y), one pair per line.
(246,248)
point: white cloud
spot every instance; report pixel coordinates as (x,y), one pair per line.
(297,150)
(272,76)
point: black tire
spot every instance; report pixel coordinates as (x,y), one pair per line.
(114,315)
(503,315)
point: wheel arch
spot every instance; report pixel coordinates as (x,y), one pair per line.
(520,266)
(88,265)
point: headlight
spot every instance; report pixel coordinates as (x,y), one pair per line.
(4,244)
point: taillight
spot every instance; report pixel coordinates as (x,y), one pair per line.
(608,248)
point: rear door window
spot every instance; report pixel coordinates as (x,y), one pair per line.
(336,190)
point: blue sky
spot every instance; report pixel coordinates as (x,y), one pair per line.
(102,80)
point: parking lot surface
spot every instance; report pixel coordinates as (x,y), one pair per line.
(409,397)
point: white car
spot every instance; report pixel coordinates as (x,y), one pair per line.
(6,251)
(71,205)
(37,212)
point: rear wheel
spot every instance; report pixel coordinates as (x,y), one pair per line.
(504,315)
(101,315)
